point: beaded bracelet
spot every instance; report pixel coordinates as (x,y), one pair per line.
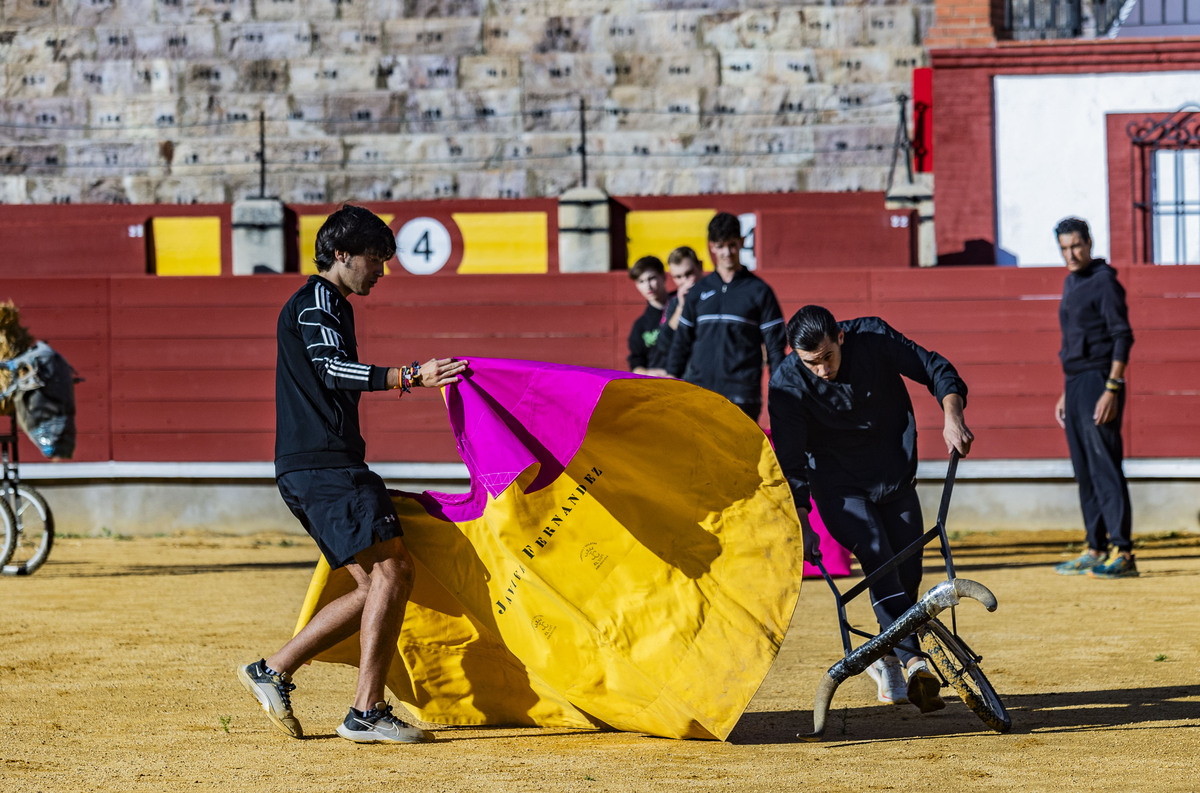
(408,374)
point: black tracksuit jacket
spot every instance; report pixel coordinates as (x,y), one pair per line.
(318,381)
(858,431)
(721,333)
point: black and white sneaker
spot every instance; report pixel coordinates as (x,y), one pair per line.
(378,725)
(272,692)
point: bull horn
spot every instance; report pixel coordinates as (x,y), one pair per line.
(825,691)
(965,587)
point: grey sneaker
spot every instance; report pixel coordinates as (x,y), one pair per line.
(272,692)
(889,677)
(378,725)
(923,688)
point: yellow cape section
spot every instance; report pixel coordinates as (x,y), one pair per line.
(647,588)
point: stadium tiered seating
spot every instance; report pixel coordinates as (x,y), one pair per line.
(160,100)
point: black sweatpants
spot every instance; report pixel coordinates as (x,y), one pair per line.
(875,532)
(1096,454)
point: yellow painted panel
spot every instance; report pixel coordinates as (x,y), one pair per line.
(187,246)
(309,226)
(503,242)
(657,232)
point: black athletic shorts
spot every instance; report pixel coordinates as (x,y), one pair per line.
(345,510)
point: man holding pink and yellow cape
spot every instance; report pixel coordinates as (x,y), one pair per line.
(322,475)
(628,555)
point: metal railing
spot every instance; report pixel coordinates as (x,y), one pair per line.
(1165,17)
(1069,19)
(1043,19)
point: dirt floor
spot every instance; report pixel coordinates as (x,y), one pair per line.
(116,674)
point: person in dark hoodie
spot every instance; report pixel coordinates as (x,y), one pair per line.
(322,476)
(1096,339)
(844,432)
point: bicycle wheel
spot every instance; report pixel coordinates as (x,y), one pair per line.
(960,668)
(34,534)
(8,531)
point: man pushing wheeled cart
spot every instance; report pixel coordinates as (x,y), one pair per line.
(844,433)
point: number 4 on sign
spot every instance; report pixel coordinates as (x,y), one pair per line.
(423,246)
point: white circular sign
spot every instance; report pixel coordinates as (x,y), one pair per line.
(423,246)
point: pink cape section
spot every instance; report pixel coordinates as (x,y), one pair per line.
(547,408)
(835,558)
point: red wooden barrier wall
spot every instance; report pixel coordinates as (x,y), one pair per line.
(182,369)
(794,230)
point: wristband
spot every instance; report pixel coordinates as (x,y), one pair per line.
(1114,384)
(408,375)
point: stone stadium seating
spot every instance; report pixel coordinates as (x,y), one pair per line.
(160,100)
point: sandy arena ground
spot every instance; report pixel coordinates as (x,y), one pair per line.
(116,674)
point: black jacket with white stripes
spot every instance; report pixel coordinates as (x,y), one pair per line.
(318,381)
(721,333)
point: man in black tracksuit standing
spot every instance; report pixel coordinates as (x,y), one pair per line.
(728,317)
(845,433)
(322,475)
(1096,339)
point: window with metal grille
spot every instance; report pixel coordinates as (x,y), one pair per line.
(1167,184)
(1175,207)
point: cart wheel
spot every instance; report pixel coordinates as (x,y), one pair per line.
(34,533)
(960,667)
(8,531)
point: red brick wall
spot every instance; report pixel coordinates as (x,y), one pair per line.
(963,23)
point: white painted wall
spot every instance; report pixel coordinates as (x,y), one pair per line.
(1051,154)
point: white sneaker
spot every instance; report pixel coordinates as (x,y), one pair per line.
(378,725)
(888,674)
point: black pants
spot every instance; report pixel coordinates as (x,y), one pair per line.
(751,409)
(875,532)
(1096,455)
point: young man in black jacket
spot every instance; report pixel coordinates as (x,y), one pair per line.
(844,432)
(727,319)
(322,475)
(1096,338)
(650,277)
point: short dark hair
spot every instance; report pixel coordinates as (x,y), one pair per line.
(810,326)
(681,253)
(724,226)
(356,231)
(1073,226)
(644,264)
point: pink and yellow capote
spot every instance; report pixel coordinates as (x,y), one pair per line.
(628,556)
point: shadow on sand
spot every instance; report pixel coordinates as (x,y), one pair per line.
(1125,709)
